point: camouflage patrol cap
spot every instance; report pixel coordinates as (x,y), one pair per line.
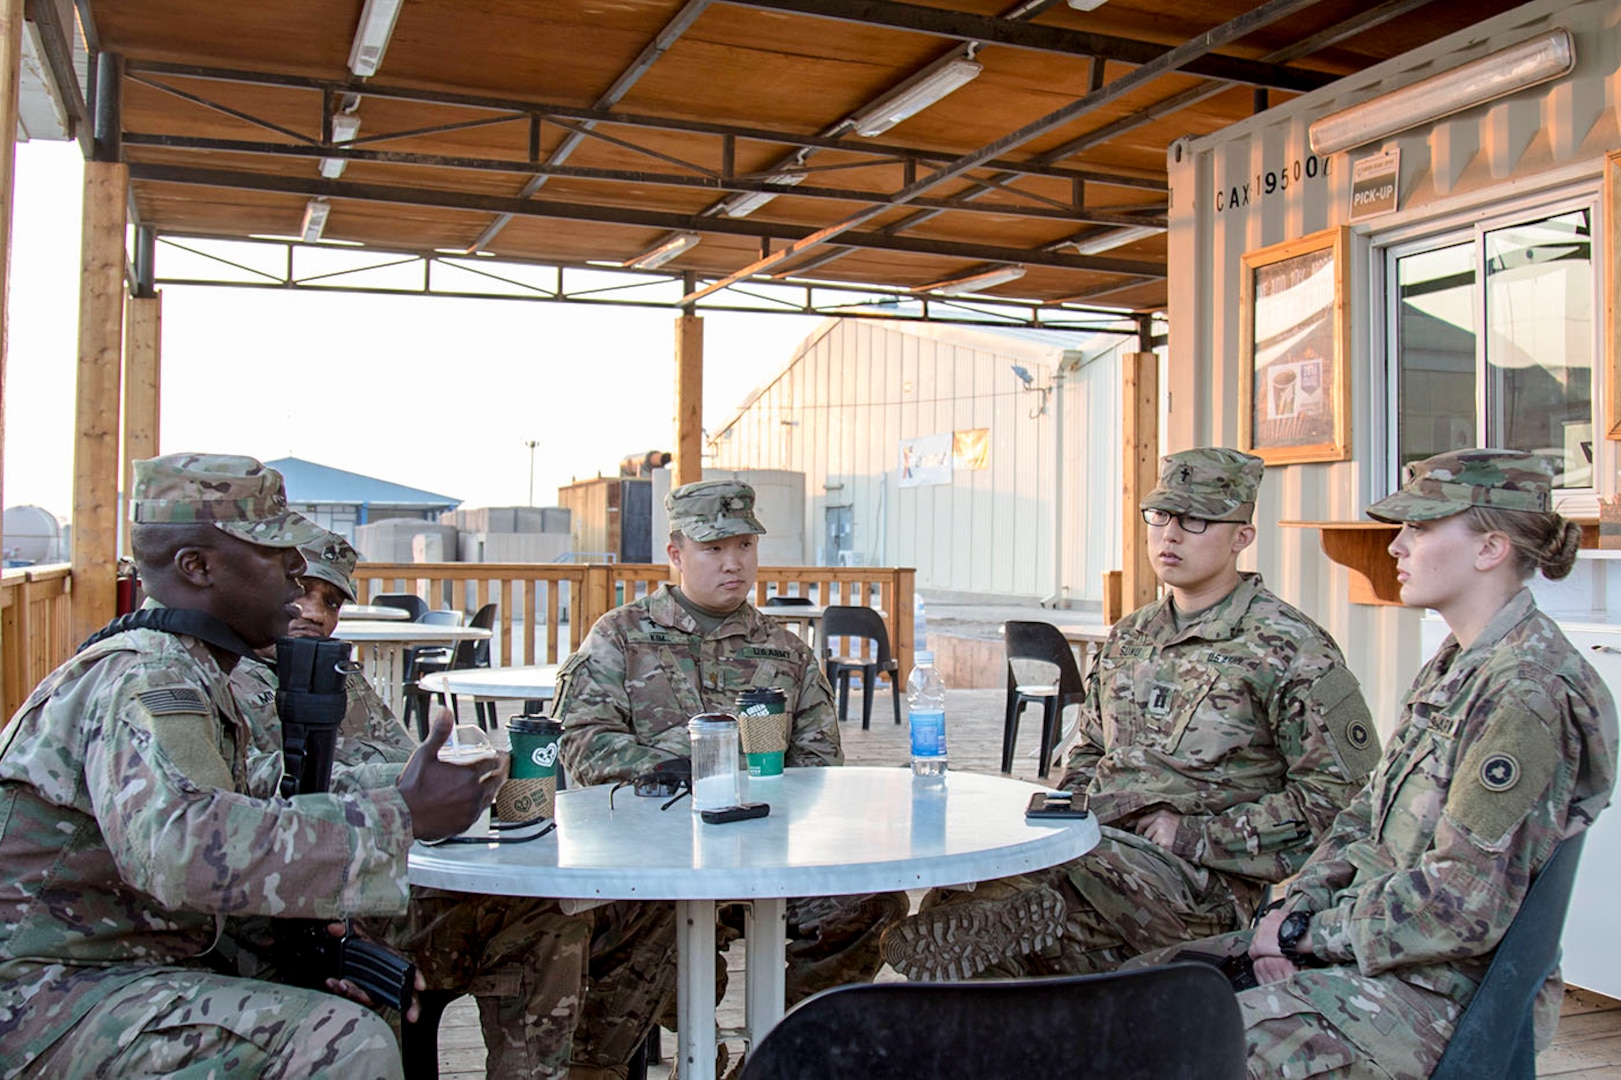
(331,558)
(235,494)
(1211,482)
(713,510)
(1451,483)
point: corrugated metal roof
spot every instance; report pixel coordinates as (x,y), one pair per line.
(309,482)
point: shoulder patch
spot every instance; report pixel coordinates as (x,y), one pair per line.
(1337,698)
(174,701)
(1502,777)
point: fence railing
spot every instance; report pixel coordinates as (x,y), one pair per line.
(565,599)
(35,630)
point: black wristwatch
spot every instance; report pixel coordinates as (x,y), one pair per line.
(1290,931)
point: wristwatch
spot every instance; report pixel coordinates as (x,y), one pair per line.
(1290,931)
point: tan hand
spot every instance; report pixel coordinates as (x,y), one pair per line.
(1160,827)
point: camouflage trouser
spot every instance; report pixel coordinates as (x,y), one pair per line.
(1334,1021)
(1124,897)
(522,959)
(194,1025)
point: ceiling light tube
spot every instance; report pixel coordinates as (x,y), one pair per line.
(345,126)
(655,257)
(916,94)
(745,203)
(1108,241)
(974,283)
(1546,56)
(371,37)
(1087,5)
(315,214)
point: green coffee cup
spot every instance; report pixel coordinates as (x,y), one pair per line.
(762,724)
(530,790)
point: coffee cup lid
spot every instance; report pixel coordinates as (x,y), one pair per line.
(534,725)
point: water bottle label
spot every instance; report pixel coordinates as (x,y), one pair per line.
(928,733)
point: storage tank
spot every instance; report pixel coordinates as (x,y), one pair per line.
(32,534)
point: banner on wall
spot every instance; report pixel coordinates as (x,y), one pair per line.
(924,460)
(971,449)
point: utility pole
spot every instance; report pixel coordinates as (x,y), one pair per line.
(531,443)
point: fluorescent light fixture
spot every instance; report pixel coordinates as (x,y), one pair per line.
(667,249)
(315,214)
(1546,56)
(745,203)
(1087,5)
(1097,245)
(371,37)
(974,283)
(916,94)
(345,126)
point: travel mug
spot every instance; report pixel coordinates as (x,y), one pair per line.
(715,775)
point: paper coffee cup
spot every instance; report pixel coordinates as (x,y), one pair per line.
(762,725)
(530,790)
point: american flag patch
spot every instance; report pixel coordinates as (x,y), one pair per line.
(173,701)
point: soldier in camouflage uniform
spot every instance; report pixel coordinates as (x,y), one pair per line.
(648,666)
(136,811)
(521,958)
(1506,745)
(1220,735)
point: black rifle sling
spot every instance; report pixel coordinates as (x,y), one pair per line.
(174,621)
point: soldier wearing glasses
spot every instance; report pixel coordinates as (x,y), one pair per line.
(1221,734)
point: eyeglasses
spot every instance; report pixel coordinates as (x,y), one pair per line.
(664,780)
(1190,524)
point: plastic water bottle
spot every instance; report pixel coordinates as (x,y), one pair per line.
(926,709)
(920,623)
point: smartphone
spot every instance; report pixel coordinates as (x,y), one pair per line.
(1056,804)
(736,813)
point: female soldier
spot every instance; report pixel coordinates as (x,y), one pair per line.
(1506,745)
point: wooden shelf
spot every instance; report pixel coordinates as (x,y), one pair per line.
(1362,547)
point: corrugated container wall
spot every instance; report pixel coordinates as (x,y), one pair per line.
(1037,521)
(1258,183)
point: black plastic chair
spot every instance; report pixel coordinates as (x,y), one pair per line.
(1045,643)
(1495,1037)
(1180,1020)
(411,604)
(854,624)
(466,654)
(789,601)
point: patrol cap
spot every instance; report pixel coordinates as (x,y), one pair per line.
(1451,483)
(713,510)
(235,494)
(1211,482)
(331,558)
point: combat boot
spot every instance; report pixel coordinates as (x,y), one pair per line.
(960,938)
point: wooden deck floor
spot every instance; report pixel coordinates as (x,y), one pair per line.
(1587,1047)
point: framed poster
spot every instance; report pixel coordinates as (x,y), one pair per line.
(1612,294)
(1294,332)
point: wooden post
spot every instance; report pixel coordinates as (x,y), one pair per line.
(11,48)
(95,451)
(143,367)
(689,400)
(1139,428)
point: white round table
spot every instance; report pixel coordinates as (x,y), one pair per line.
(831,832)
(531,682)
(382,650)
(374,613)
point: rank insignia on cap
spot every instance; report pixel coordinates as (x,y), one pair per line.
(1499,772)
(1358,735)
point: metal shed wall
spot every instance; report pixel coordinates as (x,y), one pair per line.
(1543,137)
(856,388)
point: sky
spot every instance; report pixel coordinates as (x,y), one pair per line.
(435,393)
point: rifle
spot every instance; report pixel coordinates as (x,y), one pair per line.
(311,701)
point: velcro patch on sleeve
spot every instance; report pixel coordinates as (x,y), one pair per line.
(1337,697)
(1502,776)
(174,701)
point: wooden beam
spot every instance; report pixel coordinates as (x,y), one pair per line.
(11,48)
(1139,429)
(689,400)
(95,451)
(143,375)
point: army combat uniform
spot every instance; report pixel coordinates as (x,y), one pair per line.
(521,958)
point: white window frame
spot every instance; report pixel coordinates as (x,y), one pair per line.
(1471,225)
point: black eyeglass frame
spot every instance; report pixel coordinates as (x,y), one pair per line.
(1183,519)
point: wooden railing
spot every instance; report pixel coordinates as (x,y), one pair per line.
(569,597)
(35,630)
(35,611)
